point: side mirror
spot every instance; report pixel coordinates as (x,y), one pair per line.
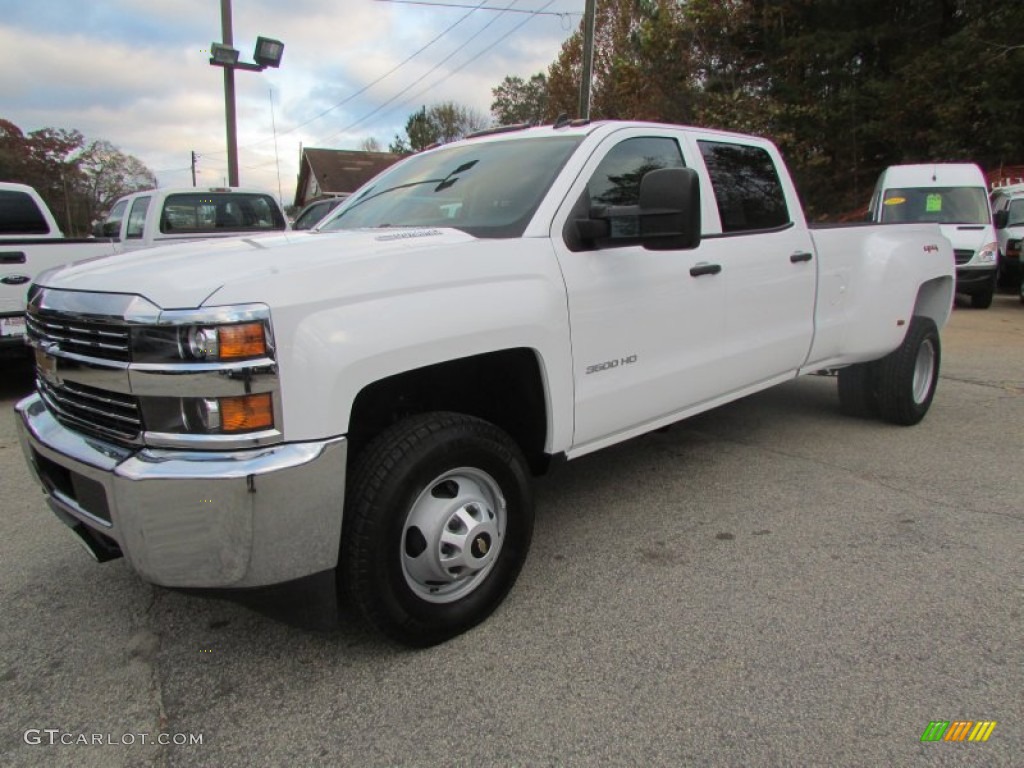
(1001,219)
(666,218)
(670,209)
(97,229)
(111,229)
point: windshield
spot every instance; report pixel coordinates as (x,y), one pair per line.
(486,189)
(943,205)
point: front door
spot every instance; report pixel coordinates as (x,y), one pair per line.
(647,327)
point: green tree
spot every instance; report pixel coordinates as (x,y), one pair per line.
(107,174)
(78,182)
(520,101)
(438,124)
(844,88)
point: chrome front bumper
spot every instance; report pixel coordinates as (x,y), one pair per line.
(240,518)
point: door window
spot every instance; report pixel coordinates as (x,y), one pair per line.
(112,226)
(616,182)
(137,218)
(747,187)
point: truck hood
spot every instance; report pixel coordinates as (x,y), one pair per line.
(184,276)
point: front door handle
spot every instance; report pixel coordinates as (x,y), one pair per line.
(705,269)
(796,258)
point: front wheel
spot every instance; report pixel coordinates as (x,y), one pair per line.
(908,376)
(983,299)
(437,525)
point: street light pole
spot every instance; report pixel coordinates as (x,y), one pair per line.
(586,75)
(268,54)
(229,94)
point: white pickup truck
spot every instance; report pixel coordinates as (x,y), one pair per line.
(369,399)
(31,242)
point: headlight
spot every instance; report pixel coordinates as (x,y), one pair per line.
(207,377)
(988,253)
(205,336)
(236,415)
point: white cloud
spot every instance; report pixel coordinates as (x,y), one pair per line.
(147,87)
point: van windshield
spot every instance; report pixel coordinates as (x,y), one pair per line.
(486,189)
(942,205)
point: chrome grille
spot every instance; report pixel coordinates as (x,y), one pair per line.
(963,255)
(99,339)
(106,414)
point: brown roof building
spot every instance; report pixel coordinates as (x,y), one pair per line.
(330,172)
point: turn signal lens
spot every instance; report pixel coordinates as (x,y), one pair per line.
(247,413)
(235,341)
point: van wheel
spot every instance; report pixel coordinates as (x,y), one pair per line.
(983,300)
(908,376)
(437,525)
(858,390)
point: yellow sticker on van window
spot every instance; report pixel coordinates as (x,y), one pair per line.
(933,204)
(895,201)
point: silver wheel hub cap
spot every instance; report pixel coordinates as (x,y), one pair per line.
(453,535)
(924,370)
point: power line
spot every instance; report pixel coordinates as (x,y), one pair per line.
(561,14)
(450,74)
(437,66)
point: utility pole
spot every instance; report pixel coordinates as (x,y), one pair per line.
(193,167)
(227,37)
(586,76)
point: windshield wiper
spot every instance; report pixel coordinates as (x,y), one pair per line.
(442,184)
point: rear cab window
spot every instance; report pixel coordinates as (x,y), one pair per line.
(748,191)
(19,215)
(211,212)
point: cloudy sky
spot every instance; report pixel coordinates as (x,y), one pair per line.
(137,73)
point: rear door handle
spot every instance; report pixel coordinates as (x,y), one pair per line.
(705,269)
(796,258)
(12,257)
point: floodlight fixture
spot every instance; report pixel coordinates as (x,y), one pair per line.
(223,55)
(268,52)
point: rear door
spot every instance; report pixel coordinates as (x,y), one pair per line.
(766,254)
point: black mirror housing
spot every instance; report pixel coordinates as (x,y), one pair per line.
(666,218)
(670,209)
(1001,219)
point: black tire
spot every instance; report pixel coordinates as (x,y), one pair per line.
(906,378)
(858,390)
(425,473)
(983,300)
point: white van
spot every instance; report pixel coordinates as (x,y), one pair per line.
(953,195)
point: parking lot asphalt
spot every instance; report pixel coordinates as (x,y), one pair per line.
(768,584)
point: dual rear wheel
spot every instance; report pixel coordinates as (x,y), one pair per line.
(901,385)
